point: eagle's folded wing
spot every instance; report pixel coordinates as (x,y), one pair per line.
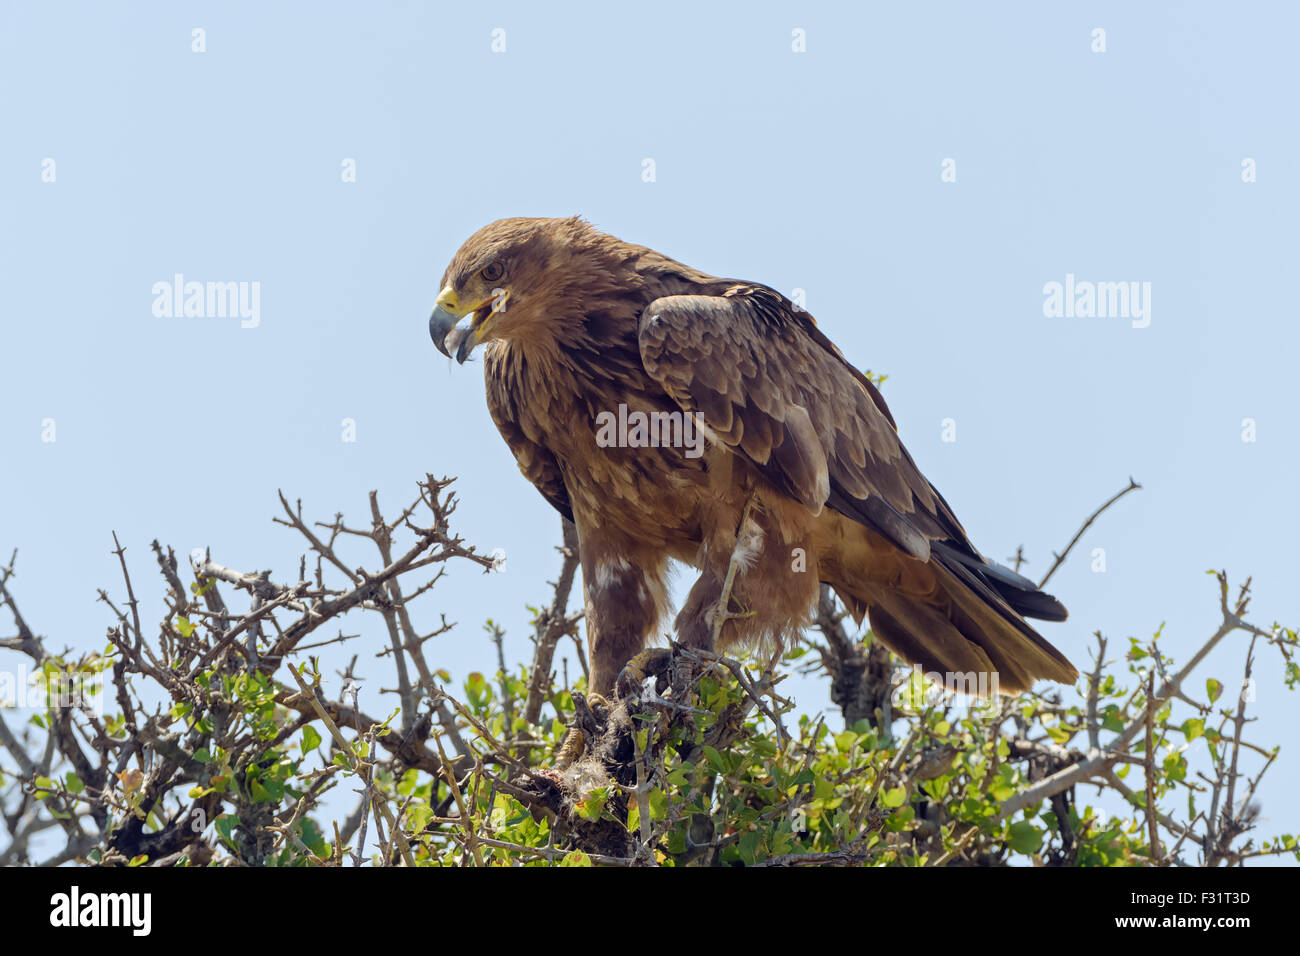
(778,393)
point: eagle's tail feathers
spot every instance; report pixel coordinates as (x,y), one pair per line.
(968,636)
(1017,590)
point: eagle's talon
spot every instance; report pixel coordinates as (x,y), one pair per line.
(652,662)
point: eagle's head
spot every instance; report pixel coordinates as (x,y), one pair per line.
(509,280)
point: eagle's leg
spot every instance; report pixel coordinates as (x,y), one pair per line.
(624,603)
(625,597)
(571,748)
(723,613)
(756,586)
(709,606)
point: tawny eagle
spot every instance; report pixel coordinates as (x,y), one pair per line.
(583,330)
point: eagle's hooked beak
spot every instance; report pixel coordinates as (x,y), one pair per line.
(446,313)
(459,330)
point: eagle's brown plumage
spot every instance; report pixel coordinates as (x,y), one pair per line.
(578,322)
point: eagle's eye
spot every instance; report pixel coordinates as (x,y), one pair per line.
(493,272)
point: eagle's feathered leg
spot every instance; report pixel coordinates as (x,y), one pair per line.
(653,662)
(625,600)
(757,585)
(626,595)
(709,605)
(712,602)
(738,558)
(706,612)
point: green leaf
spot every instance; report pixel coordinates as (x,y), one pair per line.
(1175,767)
(1111,719)
(203,755)
(1213,688)
(899,819)
(184,626)
(478,690)
(823,789)
(575,858)
(1024,837)
(310,739)
(677,841)
(1058,733)
(73,783)
(658,805)
(890,799)
(591,807)
(715,759)
(749,843)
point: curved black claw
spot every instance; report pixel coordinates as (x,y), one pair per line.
(652,662)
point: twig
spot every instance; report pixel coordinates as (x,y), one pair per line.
(1149,767)
(1059,559)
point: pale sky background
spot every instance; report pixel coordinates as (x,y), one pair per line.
(816,170)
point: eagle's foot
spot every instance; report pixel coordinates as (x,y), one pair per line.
(571,748)
(652,662)
(587,725)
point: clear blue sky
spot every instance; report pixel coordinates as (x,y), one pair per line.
(817,170)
